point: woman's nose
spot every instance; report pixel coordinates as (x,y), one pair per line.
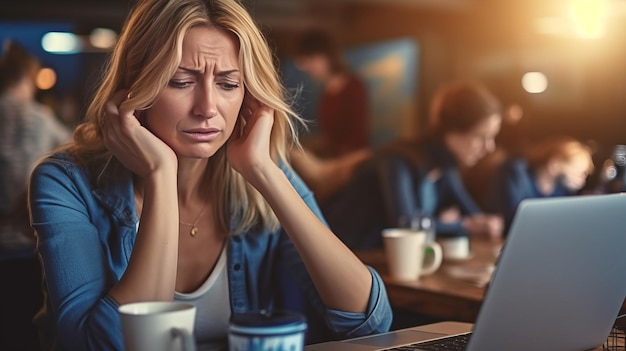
(205,105)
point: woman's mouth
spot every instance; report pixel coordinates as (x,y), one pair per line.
(202,134)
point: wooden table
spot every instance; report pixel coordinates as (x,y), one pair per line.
(443,295)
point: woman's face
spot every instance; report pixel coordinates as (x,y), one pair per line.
(196,113)
(471,146)
(574,172)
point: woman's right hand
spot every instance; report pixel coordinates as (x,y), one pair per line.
(136,147)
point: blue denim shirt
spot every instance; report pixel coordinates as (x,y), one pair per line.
(86,233)
(514,182)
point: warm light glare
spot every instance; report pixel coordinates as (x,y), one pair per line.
(535,82)
(60,43)
(550,25)
(46,78)
(589,17)
(103,38)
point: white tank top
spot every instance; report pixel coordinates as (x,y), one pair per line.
(212,301)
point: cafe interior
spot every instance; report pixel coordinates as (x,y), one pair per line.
(557,67)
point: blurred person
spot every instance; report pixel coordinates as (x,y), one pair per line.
(410,177)
(28,129)
(556,166)
(511,138)
(178,187)
(343,107)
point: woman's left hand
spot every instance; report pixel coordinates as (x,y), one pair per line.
(342,280)
(248,149)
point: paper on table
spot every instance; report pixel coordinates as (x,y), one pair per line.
(479,275)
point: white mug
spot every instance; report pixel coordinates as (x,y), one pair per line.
(158,326)
(455,247)
(404,249)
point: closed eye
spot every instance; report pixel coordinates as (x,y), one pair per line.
(228,86)
(179,84)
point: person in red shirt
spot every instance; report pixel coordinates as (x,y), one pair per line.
(343,108)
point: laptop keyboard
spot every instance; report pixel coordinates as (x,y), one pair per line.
(453,343)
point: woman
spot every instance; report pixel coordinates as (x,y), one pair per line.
(421,177)
(556,166)
(343,110)
(176,187)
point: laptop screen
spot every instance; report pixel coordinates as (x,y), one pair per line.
(559,280)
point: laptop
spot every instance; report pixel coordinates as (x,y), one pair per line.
(559,284)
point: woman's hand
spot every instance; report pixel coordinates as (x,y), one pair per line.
(137,148)
(248,149)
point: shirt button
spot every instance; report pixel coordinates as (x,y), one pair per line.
(237,266)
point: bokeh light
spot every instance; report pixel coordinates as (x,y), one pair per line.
(514,114)
(61,43)
(46,78)
(535,82)
(103,38)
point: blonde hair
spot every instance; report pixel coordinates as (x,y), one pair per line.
(145,58)
(561,148)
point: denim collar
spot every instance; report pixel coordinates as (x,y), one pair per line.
(113,187)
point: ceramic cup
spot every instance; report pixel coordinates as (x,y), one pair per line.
(455,247)
(267,331)
(158,326)
(404,250)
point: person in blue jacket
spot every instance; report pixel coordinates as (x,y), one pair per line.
(555,166)
(177,187)
(411,177)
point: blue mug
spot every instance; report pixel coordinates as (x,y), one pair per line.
(267,331)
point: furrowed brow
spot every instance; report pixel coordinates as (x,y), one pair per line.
(227,72)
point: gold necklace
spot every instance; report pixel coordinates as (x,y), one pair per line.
(194,229)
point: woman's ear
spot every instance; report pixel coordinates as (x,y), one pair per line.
(249,106)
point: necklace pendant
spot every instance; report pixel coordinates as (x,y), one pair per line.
(193,231)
